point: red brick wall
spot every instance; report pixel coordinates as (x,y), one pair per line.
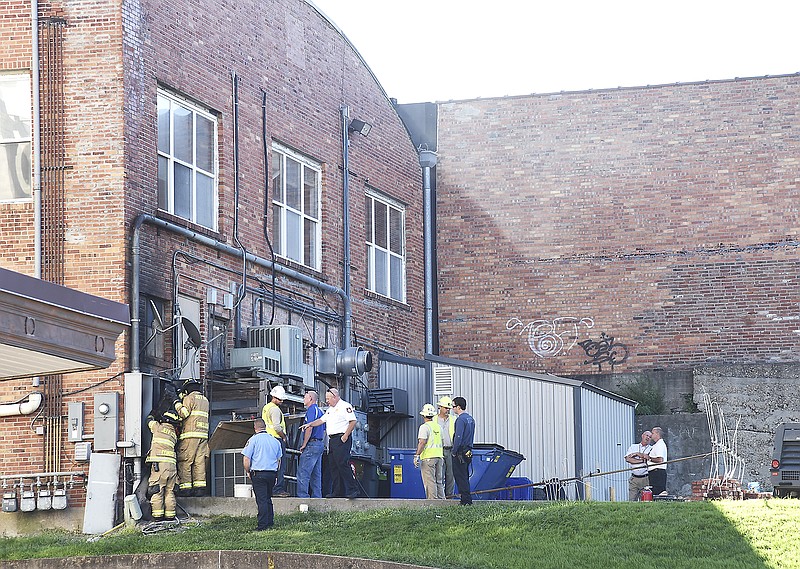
(665,217)
(115,57)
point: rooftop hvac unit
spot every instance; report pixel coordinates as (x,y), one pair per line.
(284,339)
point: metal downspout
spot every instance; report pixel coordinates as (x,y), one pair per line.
(427,160)
(346,204)
(37,141)
(143,218)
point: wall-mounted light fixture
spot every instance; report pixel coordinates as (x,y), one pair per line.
(360,127)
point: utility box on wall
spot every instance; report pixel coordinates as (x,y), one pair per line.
(106,421)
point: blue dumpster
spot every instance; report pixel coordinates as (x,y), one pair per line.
(404,478)
(491,466)
(525,493)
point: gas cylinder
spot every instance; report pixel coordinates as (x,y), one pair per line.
(647,494)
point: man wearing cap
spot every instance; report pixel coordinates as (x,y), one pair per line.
(429,458)
(276,426)
(447,423)
(340,420)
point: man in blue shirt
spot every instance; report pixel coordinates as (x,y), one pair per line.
(309,467)
(261,458)
(463,439)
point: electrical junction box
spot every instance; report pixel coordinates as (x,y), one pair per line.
(75,422)
(106,421)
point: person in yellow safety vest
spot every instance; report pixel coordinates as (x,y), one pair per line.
(163,473)
(447,422)
(193,409)
(430,457)
(276,426)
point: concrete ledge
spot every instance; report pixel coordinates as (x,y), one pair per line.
(206,507)
(26,523)
(208,560)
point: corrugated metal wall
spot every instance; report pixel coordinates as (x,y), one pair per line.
(409,375)
(607,429)
(557,424)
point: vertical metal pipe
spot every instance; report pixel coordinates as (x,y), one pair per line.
(427,160)
(345,111)
(37,149)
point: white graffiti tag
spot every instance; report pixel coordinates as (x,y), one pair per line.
(548,338)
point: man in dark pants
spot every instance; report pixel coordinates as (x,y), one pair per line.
(463,439)
(261,458)
(340,420)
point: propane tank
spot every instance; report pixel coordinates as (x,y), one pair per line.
(647,494)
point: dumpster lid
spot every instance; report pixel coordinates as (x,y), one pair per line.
(231,434)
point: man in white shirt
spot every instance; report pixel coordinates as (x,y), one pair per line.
(657,470)
(635,456)
(340,420)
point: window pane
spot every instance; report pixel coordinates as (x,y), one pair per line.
(15,170)
(182,121)
(395,231)
(163,183)
(310,238)
(368,221)
(293,228)
(163,125)
(380,272)
(380,225)
(205,144)
(370,272)
(310,201)
(277,179)
(277,239)
(205,200)
(293,184)
(183,191)
(396,277)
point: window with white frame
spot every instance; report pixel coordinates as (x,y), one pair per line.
(15,136)
(187,160)
(386,247)
(296,205)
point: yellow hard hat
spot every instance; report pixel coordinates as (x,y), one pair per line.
(428,410)
(446,402)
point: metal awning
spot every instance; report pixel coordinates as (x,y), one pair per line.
(47,329)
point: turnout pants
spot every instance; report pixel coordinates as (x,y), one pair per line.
(192,455)
(162,502)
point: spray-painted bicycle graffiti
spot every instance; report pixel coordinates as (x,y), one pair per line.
(604,350)
(548,338)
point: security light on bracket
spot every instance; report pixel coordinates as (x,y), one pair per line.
(360,127)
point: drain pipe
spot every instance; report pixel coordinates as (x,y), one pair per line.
(22,407)
(427,160)
(345,110)
(37,141)
(224,248)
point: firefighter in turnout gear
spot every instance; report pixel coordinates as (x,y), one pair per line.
(163,472)
(192,408)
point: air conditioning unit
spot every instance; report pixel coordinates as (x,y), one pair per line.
(262,359)
(284,339)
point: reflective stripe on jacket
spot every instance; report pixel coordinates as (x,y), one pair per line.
(194,412)
(433,446)
(162,448)
(265,414)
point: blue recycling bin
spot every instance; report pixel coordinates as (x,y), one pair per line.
(491,466)
(525,493)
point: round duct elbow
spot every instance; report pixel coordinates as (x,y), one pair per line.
(25,407)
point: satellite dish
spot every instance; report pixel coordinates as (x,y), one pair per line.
(192,332)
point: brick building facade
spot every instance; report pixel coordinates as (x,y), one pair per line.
(185,136)
(623,230)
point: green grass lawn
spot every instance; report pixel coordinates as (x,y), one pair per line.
(695,535)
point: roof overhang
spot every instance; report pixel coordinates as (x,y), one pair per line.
(49,329)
